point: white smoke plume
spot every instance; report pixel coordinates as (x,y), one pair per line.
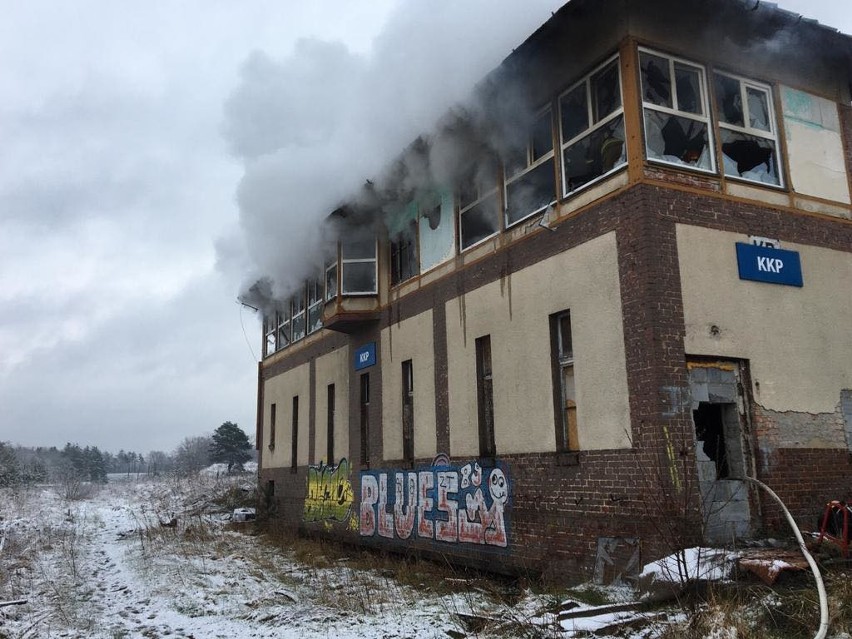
(312,128)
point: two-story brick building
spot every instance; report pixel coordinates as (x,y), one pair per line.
(568,352)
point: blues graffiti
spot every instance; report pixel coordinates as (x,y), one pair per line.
(443,502)
(329,493)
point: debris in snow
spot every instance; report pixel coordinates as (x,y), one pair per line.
(668,577)
(769,564)
(244,514)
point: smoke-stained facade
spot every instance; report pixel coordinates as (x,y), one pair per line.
(586,306)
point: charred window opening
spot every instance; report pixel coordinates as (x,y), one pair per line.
(358,262)
(747,128)
(408,411)
(485,397)
(404,254)
(530,185)
(365,419)
(592,128)
(477,199)
(314,306)
(674,106)
(436,229)
(564,388)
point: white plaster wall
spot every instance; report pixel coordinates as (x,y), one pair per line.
(814,146)
(515,312)
(409,339)
(332,369)
(798,340)
(280,390)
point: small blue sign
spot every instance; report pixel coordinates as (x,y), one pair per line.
(365,356)
(768,264)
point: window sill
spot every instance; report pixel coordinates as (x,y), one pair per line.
(568,458)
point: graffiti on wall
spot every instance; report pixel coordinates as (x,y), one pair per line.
(455,504)
(329,497)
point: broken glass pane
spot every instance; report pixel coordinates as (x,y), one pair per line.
(749,157)
(298,326)
(729,102)
(437,231)
(594,155)
(530,192)
(574,111)
(656,80)
(542,136)
(758,108)
(479,222)
(606,96)
(688,86)
(677,140)
(331,282)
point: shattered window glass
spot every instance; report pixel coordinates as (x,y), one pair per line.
(592,130)
(677,125)
(533,188)
(479,221)
(747,130)
(315,300)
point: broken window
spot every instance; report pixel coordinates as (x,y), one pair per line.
(530,180)
(437,238)
(270,329)
(677,126)
(314,305)
(407,411)
(477,198)
(564,388)
(358,262)
(404,245)
(299,321)
(592,128)
(747,129)
(485,397)
(284,326)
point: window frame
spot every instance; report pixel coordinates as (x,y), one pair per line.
(407,411)
(342,273)
(707,117)
(562,360)
(485,398)
(272,425)
(294,450)
(531,164)
(592,126)
(411,243)
(314,286)
(270,334)
(329,267)
(299,308)
(481,197)
(331,411)
(284,319)
(771,135)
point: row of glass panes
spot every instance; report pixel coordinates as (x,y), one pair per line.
(301,315)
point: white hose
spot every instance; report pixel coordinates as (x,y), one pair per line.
(823,599)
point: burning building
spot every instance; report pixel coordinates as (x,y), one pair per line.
(564,327)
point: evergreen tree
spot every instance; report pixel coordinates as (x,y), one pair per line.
(10,469)
(230,446)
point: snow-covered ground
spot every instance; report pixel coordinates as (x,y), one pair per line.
(153,558)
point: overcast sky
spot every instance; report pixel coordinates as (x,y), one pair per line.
(149,159)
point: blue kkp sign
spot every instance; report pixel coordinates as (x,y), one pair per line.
(769,264)
(365,356)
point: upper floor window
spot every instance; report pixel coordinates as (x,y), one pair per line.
(747,128)
(299,321)
(270,330)
(403,244)
(592,128)
(530,181)
(359,266)
(331,280)
(284,326)
(675,110)
(477,199)
(314,305)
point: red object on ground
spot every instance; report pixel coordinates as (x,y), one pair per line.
(834,525)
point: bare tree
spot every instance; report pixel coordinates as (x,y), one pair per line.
(193,454)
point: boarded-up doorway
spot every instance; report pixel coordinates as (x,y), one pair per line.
(719,413)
